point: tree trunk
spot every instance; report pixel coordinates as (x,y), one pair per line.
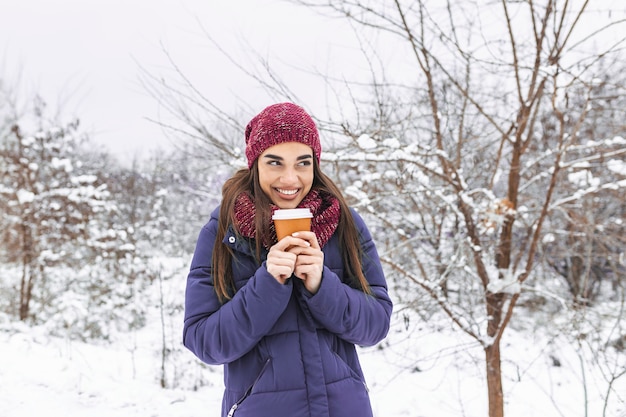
(494,380)
(26,286)
(26,289)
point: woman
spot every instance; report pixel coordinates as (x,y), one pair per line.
(284,317)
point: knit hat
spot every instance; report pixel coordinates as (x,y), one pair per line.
(279,123)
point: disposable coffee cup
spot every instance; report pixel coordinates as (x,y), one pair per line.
(288,221)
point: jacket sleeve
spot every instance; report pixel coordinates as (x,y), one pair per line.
(220,333)
(353,315)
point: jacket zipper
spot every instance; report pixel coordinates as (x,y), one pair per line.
(235,406)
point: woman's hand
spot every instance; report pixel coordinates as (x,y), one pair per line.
(281,263)
(300,255)
(309,260)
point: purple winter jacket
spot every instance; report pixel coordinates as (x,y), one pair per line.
(286,352)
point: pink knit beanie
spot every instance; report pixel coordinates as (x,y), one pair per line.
(279,123)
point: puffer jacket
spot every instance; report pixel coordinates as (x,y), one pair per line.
(286,352)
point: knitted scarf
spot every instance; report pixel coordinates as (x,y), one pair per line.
(325,209)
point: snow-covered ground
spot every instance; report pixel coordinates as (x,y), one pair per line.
(421,370)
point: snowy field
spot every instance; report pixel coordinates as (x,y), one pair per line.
(418,373)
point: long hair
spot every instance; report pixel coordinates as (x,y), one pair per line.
(247,180)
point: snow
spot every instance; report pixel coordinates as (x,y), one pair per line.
(422,369)
(84,179)
(583,179)
(503,281)
(392,143)
(62,378)
(619,167)
(366,142)
(63,163)
(25,196)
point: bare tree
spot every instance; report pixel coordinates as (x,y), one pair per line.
(47,203)
(478,152)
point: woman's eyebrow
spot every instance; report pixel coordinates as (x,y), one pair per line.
(280,158)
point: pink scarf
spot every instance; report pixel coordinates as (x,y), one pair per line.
(325,209)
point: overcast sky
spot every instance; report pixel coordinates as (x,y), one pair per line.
(84,56)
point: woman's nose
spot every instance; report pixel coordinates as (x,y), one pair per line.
(289,176)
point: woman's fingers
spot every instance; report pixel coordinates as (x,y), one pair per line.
(310,261)
(308,237)
(299,254)
(280,264)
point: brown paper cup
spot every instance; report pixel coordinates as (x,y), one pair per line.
(288,221)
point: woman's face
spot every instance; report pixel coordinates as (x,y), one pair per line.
(286,173)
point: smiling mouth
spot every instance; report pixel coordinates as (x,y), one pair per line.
(288,192)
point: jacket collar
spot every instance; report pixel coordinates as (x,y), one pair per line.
(241,244)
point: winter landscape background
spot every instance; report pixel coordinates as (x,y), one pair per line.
(427,369)
(483,142)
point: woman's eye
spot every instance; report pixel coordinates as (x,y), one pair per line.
(305,163)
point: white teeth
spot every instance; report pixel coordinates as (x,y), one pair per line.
(287,192)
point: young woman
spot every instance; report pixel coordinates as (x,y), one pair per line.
(284,317)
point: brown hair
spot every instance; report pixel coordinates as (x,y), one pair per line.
(247,180)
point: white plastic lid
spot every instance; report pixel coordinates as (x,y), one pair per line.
(287,214)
